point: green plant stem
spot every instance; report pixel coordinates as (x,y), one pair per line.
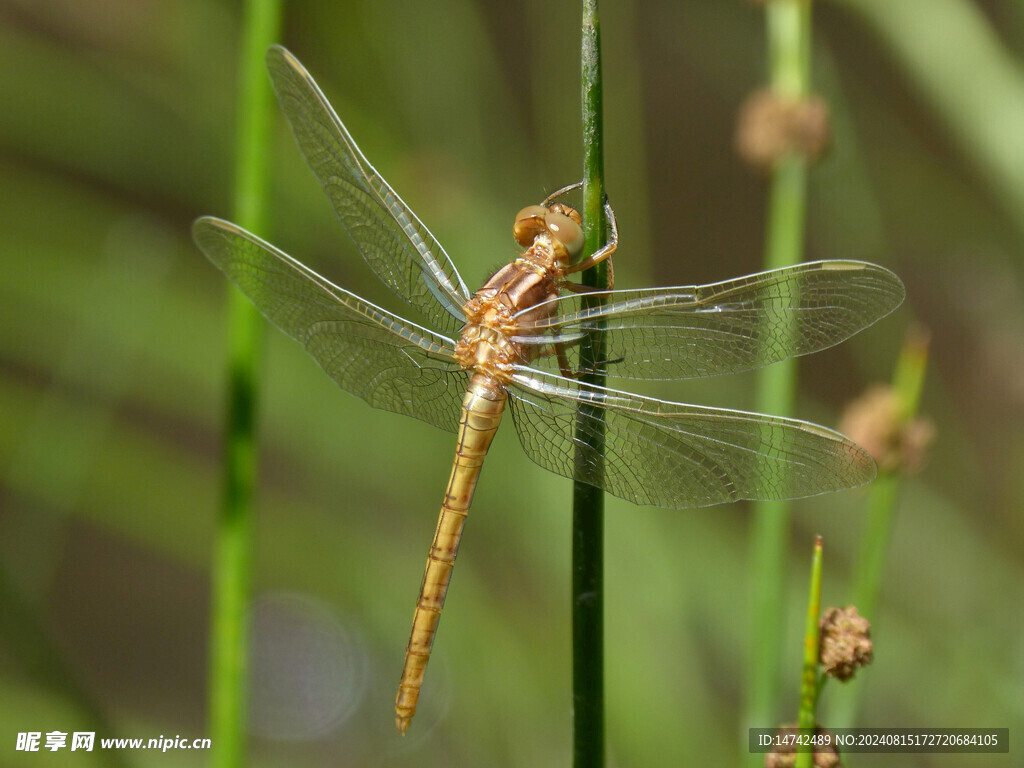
(588,501)
(232,563)
(788,23)
(809,686)
(881,505)
(908,381)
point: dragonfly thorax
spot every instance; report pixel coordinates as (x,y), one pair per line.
(511,301)
(487,350)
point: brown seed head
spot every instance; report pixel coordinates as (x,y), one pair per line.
(784,755)
(873,420)
(845,642)
(771,127)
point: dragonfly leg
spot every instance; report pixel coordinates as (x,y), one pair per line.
(563,363)
(558,349)
(580,288)
(561,192)
(564,368)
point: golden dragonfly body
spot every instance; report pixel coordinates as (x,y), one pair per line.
(509,305)
(514,343)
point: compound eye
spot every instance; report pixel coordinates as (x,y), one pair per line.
(566,231)
(529,224)
(568,211)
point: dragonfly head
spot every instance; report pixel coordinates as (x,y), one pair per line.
(560,222)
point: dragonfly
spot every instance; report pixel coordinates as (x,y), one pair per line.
(516,342)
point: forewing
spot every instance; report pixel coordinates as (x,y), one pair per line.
(737,325)
(394,242)
(674,455)
(387,361)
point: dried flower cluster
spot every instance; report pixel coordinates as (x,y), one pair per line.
(845,642)
(771,127)
(784,755)
(873,420)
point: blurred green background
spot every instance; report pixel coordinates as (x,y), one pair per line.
(116,131)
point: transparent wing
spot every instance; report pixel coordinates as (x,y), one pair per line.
(675,455)
(394,242)
(387,361)
(737,325)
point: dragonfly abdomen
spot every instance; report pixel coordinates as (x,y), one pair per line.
(482,407)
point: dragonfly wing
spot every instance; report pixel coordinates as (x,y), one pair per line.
(674,455)
(394,242)
(387,361)
(737,325)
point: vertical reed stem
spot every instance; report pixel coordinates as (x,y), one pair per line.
(809,684)
(907,384)
(789,54)
(229,629)
(588,501)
